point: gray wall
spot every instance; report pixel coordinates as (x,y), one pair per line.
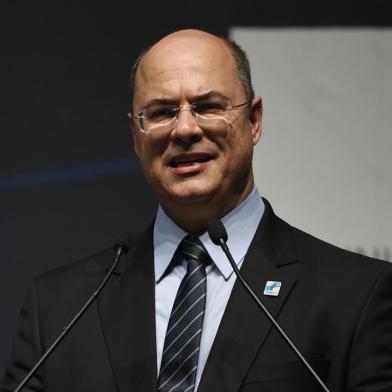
(328,112)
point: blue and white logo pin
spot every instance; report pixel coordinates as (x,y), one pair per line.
(272,288)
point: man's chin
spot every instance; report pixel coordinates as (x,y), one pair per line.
(194,199)
(191,197)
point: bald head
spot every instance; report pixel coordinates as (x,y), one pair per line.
(189,37)
(175,46)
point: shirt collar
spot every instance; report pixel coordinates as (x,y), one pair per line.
(240,223)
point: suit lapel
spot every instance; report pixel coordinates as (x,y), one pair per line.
(127,310)
(244,327)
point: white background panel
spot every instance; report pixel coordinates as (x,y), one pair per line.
(324,160)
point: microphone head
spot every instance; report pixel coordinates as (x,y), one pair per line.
(216,231)
(124,243)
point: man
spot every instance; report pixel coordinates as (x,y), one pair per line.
(195,120)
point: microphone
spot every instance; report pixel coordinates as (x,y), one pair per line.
(121,248)
(218,234)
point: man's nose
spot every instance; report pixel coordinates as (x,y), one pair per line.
(186,127)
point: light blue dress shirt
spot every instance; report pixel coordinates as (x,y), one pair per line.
(241,224)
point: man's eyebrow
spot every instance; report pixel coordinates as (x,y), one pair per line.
(160,101)
(210,94)
(197,98)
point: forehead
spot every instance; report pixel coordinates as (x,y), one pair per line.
(184,66)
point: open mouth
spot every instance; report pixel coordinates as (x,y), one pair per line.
(183,161)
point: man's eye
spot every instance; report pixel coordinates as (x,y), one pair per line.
(159,113)
(209,108)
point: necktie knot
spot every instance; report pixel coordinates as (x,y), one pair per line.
(192,249)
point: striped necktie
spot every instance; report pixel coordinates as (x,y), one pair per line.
(182,341)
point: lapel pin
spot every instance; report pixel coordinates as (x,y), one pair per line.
(272,288)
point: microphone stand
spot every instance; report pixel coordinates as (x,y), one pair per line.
(120,250)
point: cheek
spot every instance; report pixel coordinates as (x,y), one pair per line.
(239,150)
(149,146)
(240,143)
(150,151)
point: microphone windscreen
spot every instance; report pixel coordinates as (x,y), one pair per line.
(216,231)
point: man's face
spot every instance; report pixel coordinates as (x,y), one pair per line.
(193,164)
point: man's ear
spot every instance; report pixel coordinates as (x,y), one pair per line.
(255,118)
(134,132)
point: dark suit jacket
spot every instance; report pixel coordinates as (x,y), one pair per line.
(335,305)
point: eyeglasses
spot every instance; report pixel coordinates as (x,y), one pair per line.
(161,117)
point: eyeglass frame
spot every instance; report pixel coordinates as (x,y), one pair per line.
(176,110)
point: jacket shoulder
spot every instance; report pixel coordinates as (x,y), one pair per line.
(92,264)
(315,250)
